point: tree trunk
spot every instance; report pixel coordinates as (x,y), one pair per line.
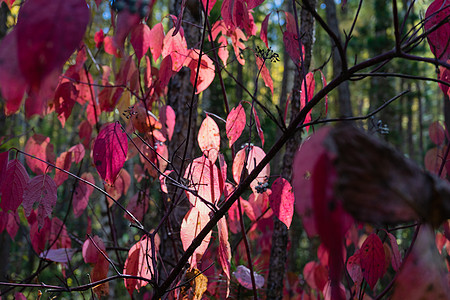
(343,96)
(181,147)
(278,255)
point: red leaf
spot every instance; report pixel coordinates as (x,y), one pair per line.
(12,225)
(64,161)
(109,46)
(291,42)
(396,259)
(46,41)
(306,94)
(224,247)
(138,206)
(433,161)
(165,71)
(209,138)
(205,179)
(210,3)
(282,200)
(331,220)
(438,39)
(253,3)
(39,146)
(3,166)
(167,118)
(41,190)
(437,133)
(125,23)
(291,25)
(15,181)
(423,274)
(372,259)
(263,34)
(205,74)
(110,152)
(235,124)
(120,187)
(90,249)
(265,74)
(242,275)
(258,126)
(139,263)
(192,224)
(99,37)
(305,159)
(140,40)
(9,3)
(82,193)
(64,100)
(85,132)
(156,39)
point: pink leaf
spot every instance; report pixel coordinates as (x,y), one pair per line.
(253,3)
(354,268)
(176,47)
(39,146)
(224,246)
(423,274)
(140,39)
(265,73)
(263,34)
(41,190)
(139,263)
(396,259)
(282,200)
(167,118)
(209,138)
(82,193)
(438,39)
(110,152)
(99,37)
(306,94)
(156,39)
(64,161)
(15,181)
(109,46)
(437,133)
(165,71)
(242,275)
(12,225)
(120,186)
(206,72)
(258,126)
(78,153)
(210,3)
(235,124)
(372,259)
(205,179)
(192,224)
(162,180)
(254,157)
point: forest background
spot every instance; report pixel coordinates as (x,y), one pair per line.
(110,98)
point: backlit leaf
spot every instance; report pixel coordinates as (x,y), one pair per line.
(64,161)
(282,200)
(224,246)
(156,38)
(110,152)
(265,74)
(209,138)
(263,34)
(140,39)
(39,146)
(235,124)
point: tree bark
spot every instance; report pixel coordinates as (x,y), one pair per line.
(343,95)
(280,237)
(181,148)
